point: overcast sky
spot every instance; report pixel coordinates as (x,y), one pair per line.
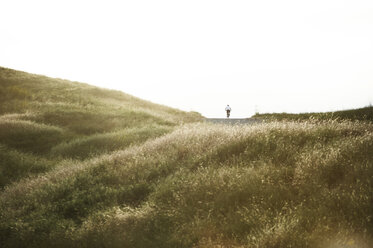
(265,56)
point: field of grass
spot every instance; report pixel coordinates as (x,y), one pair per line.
(51,120)
(361,114)
(159,181)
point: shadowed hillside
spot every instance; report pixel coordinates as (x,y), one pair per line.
(136,176)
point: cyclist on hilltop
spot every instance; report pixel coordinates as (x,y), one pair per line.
(228,109)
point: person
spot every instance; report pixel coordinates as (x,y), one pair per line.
(228,109)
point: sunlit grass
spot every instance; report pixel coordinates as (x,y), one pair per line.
(270,185)
(361,114)
(58,119)
(97,144)
(87,167)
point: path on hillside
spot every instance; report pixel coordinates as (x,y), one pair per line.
(233,121)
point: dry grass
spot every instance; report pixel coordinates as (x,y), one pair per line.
(272,185)
(55,119)
(87,167)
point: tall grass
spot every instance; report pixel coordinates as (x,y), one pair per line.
(84,147)
(82,166)
(15,165)
(29,136)
(292,184)
(361,114)
(56,119)
(58,101)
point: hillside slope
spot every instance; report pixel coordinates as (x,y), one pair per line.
(42,117)
(76,105)
(87,167)
(361,114)
(270,185)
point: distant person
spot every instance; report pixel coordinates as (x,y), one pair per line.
(228,109)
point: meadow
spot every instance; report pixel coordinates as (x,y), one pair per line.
(361,114)
(160,177)
(44,121)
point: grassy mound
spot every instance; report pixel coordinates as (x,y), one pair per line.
(15,165)
(79,107)
(29,136)
(361,114)
(57,119)
(272,185)
(97,144)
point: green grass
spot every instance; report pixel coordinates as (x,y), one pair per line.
(87,167)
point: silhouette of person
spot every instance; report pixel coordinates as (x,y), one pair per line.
(228,109)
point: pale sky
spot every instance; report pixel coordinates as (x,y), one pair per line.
(263,55)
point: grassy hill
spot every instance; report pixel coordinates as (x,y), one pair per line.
(361,114)
(51,119)
(164,182)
